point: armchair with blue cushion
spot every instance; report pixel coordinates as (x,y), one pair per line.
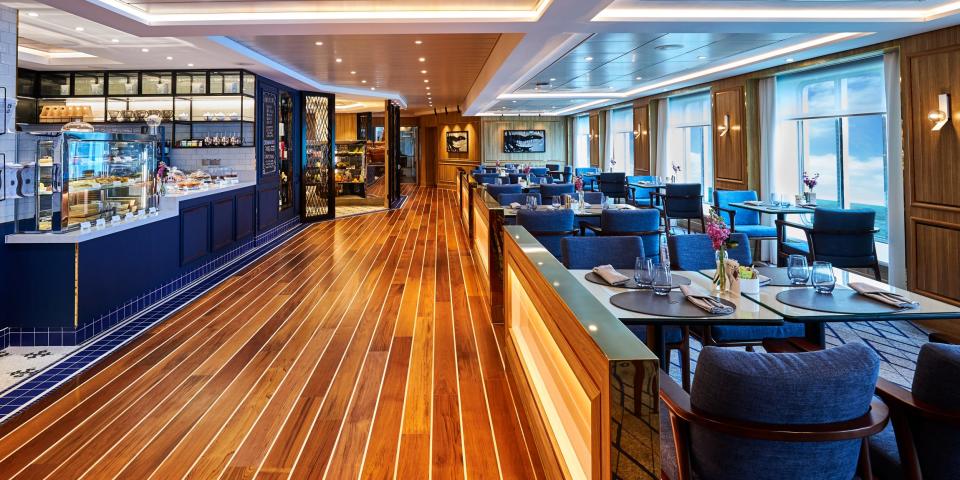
(549,191)
(845,238)
(740,219)
(924,439)
(539,171)
(680,201)
(785,416)
(486,178)
(496,190)
(548,226)
(584,253)
(639,223)
(490,169)
(614,185)
(567,176)
(641,196)
(588,182)
(695,252)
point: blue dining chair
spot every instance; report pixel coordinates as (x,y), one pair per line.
(740,219)
(548,226)
(506,199)
(640,196)
(515,177)
(567,176)
(539,171)
(694,252)
(486,178)
(924,438)
(593,198)
(546,178)
(644,223)
(584,253)
(496,190)
(845,238)
(554,190)
(681,201)
(588,182)
(614,185)
(785,416)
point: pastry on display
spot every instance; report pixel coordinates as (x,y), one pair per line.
(45,161)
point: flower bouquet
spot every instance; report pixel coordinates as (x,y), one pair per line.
(728,271)
(578,187)
(676,172)
(811,182)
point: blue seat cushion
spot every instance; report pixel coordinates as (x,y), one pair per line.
(827,386)
(884,456)
(741,333)
(587,252)
(756,231)
(797,245)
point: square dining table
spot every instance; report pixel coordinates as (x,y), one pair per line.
(590,211)
(813,320)
(781,212)
(747,311)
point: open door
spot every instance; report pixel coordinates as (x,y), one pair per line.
(318,157)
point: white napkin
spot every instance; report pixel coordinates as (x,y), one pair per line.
(515,205)
(890,298)
(753,202)
(704,302)
(611,275)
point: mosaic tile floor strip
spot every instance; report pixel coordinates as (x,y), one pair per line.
(41,382)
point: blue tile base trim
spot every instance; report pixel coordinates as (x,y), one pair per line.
(56,337)
(113,332)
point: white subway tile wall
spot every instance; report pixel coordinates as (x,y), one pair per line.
(8,79)
(242,160)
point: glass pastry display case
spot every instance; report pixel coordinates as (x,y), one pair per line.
(66,179)
(351,168)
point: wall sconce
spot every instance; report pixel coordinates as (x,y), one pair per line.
(941,116)
(723,129)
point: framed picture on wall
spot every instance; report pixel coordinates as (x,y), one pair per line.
(524,141)
(458,142)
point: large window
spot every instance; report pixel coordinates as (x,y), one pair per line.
(620,140)
(581,141)
(832,123)
(690,140)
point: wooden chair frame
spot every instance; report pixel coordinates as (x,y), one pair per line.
(783,251)
(682,415)
(662,199)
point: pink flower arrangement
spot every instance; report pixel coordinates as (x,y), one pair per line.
(676,168)
(578,184)
(527,169)
(718,232)
(498,163)
(810,180)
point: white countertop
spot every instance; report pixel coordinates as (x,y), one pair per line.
(169,208)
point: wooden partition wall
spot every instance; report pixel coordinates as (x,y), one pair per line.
(589,387)
(641,139)
(486,240)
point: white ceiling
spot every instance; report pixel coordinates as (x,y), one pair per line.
(555,38)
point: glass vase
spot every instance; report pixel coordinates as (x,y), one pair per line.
(580,200)
(720,278)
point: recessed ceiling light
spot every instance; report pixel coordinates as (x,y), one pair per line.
(426,80)
(115,40)
(339,60)
(639,78)
(669,46)
(514,101)
(428,88)
(33,14)
(588,59)
(789,60)
(145,50)
(553,79)
(702,57)
(189,64)
(353,72)
(422,59)
(363,81)
(169,58)
(319,44)
(423,72)
(79,29)
(418,42)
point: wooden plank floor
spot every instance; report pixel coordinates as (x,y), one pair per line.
(361,348)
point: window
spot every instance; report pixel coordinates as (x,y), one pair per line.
(690,140)
(832,123)
(620,140)
(581,141)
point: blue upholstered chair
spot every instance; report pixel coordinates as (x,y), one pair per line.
(515,177)
(521,198)
(739,219)
(694,252)
(567,176)
(584,253)
(548,226)
(536,178)
(588,182)
(749,415)
(496,190)
(841,237)
(539,171)
(640,196)
(490,169)
(924,439)
(639,223)
(555,189)
(614,185)
(593,198)
(681,201)
(486,178)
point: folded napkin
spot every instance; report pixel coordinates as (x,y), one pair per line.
(585,205)
(890,298)
(705,303)
(753,202)
(515,205)
(610,275)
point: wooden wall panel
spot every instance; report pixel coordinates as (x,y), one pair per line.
(595,140)
(346,127)
(933,74)
(556,132)
(730,159)
(940,241)
(437,170)
(641,140)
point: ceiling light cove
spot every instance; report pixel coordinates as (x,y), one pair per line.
(771,14)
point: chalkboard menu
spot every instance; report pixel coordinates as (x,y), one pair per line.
(269,122)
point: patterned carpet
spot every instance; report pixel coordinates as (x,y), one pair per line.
(896,342)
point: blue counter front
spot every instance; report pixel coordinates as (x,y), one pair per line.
(66,284)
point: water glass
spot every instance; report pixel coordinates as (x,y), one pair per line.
(542,180)
(797,269)
(643,272)
(531,202)
(823,279)
(555,201)
(774,199)
(662,280)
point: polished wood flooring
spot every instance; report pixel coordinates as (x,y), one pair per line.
(361,348)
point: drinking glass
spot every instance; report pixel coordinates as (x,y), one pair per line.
(532,202)
(661,280)
(542,180)
(823,279)
(774,199)
(643,272)
(556,201)
(797,269)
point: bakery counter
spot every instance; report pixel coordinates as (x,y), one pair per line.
(169,208)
